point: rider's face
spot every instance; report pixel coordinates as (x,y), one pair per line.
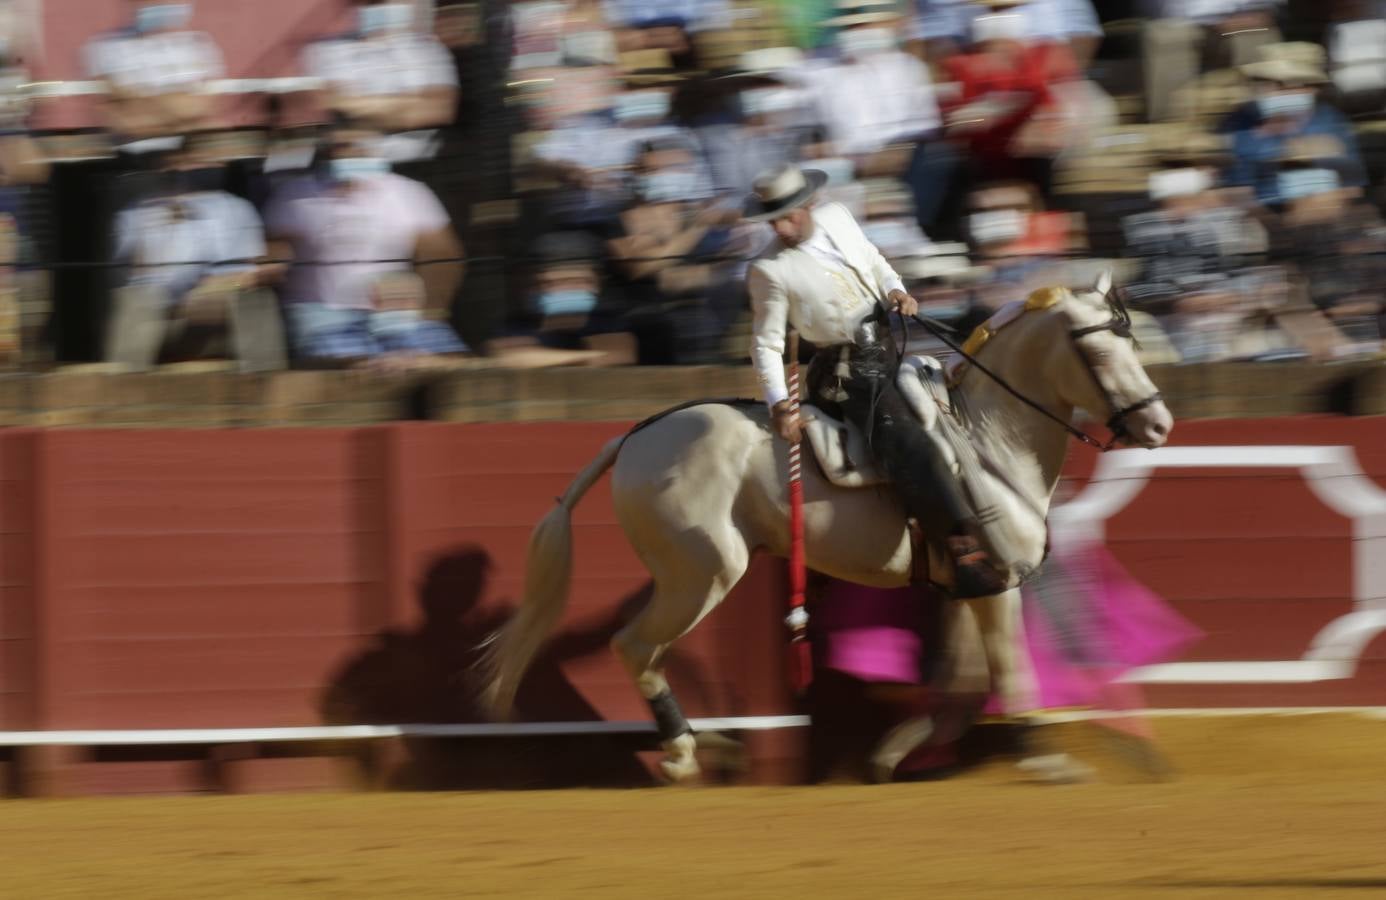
(794,227)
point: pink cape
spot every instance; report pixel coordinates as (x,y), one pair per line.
(871,633)
(1088,622)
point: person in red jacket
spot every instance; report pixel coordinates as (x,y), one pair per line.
(1003,108)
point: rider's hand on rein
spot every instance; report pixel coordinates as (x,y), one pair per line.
(907,305)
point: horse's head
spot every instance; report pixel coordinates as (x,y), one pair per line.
(1092,365)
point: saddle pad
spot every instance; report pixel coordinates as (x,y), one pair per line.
(840,449)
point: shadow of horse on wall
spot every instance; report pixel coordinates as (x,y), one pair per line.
(424,676)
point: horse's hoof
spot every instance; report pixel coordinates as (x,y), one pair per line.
(899,742)
(1057,768)
(680,771)
(679,764)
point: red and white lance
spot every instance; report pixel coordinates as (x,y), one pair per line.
(801,667)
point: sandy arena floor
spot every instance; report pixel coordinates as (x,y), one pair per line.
(1292,807)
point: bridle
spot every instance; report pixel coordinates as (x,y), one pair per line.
(1119,324)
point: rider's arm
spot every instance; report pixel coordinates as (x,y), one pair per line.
(770,321)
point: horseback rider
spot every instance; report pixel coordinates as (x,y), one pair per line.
(825,279)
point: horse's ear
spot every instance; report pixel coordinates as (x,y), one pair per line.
(1104,283)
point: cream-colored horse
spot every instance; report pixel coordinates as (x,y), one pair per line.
(701,489)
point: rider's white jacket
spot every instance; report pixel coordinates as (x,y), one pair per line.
(822,288)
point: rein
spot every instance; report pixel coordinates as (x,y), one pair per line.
(1119,324)
(937,331)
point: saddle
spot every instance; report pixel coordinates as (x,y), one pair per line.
(845,459)
(841,449)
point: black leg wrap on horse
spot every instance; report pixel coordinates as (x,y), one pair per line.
(668,717)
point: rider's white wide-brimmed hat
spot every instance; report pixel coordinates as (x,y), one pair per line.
(778,191)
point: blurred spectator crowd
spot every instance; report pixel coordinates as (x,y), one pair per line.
(1224,158)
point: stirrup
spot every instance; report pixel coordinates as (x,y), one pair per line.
(973,574)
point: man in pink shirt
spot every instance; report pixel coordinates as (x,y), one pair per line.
(376,262)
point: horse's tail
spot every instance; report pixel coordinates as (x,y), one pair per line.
(548,571)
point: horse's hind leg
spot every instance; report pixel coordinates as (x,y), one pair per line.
(678,604)
(641,655)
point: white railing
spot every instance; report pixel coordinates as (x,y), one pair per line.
(170,736)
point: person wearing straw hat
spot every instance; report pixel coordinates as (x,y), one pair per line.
(1184,40)
(1332,239)
(1285,84)
(1195,247)
(822,277)
(644,108)
(878,106)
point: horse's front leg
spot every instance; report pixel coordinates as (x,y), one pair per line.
(998,618)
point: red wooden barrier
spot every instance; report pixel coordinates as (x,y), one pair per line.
(217,578)
(1252,557)
(192,579)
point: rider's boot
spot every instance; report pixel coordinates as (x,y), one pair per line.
(974,574)
(936,499)
(919,470)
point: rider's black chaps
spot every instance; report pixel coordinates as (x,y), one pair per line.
(907,456)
